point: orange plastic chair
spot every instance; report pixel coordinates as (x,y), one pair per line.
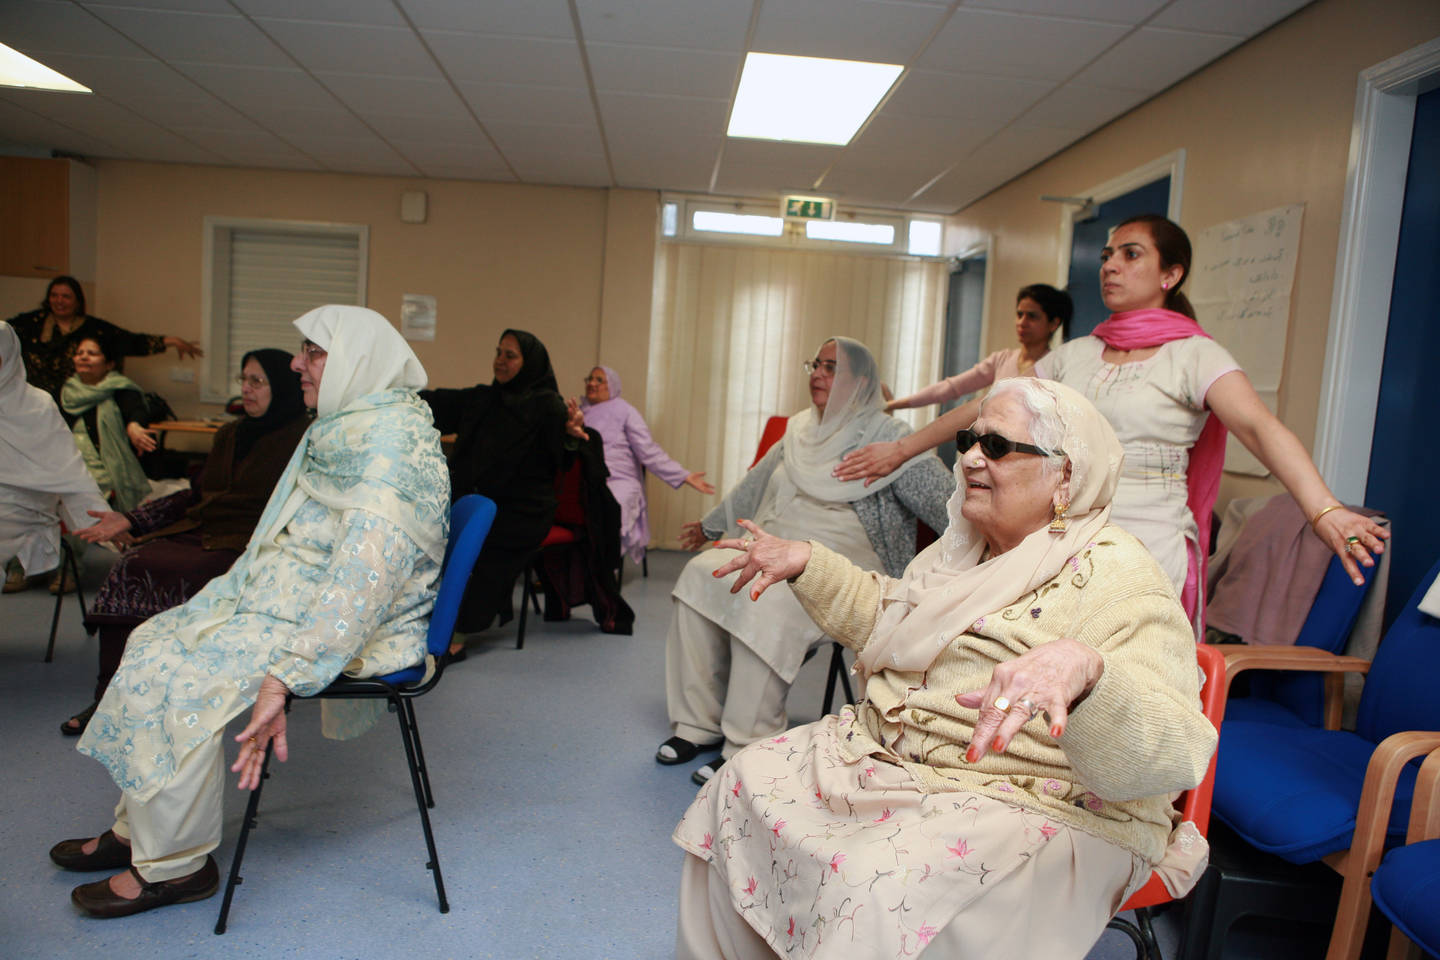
(1193,804)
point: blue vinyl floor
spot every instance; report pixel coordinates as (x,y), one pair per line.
(552,817)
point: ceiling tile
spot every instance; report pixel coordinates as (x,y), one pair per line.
(291,122)
(360,155)
(195,37)
(574,169)
(380,13)
(444,159)
(352,48)
(681,164)
(522,143)
(510,18)
(629,115)
(475,58)
(24,127)
(407,127)
(54,26)
(257,89)
(920,135)
(1106,11)
(784,166)
(1242,19)
(1075,106)
(126,77)
(681,73)
(397,95)
(880,31)
(186,6)
(690,24)
(1009,45)
(172,114)
(522,103)
(874,182)
(1151,60)
(962,96)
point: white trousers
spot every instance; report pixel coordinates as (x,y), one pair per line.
(716,687)
(171,833)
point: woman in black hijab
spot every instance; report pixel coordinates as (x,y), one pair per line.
(512,437)
(192,536)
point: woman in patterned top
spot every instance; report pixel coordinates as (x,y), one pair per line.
(339,576)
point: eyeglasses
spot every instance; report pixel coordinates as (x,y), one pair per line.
(313,350)
(993,445)
(600,380)
(255,382)
(828,366)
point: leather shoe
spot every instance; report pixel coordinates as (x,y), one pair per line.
(98,900)
(110,853)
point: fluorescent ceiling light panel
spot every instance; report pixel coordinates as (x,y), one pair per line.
(807,99)
(18,70)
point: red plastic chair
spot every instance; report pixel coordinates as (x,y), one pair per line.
(567,529)
(1193,804)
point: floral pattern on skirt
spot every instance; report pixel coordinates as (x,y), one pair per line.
(826,858)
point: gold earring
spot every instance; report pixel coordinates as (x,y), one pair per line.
(1059,525)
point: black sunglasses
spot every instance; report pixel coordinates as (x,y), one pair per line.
(993,445)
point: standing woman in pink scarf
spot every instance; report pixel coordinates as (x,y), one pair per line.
(1158,377)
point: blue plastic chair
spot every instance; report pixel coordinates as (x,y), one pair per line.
(1297,698)
(470,520)
(1406,887)
(1304,793)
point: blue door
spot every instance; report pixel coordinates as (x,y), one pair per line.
(964,316)
(1089,239)
(1404,458)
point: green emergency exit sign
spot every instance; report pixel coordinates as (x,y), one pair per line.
(808,208)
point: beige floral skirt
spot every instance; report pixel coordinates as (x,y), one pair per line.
(824,858)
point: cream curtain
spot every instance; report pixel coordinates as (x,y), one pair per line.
(730,328)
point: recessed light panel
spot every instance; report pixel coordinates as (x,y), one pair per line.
(18,70)
(807,99)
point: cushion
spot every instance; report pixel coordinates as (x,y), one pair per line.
(1406,888)
(1294,791)
(1261,710)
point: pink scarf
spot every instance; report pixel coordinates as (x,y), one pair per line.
(1137,330)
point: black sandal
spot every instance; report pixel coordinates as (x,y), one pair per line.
(684,751)
(83,718)
(704,774)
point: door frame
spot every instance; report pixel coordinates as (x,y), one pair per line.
(1365,264)
(980,248)
(1170,165)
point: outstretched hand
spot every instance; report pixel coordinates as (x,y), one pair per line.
(111,526)
(185,348)
(267,724)
(1353,538)
(697,480)
(870,462)
(575,419)
(766,559)
(1050,679)
(141,439)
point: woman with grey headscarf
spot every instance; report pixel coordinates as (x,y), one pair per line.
(729,666)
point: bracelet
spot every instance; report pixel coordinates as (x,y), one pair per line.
(1324,510)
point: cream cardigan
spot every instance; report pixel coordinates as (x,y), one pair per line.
(1128,747)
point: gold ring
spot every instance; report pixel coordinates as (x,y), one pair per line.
(1002,704)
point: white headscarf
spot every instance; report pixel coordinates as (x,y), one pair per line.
(372,356)
(37,451)
(946,588)
(853,417)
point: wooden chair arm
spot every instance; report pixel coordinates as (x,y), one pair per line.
(1425,807)
(1376,798)
(1238,659)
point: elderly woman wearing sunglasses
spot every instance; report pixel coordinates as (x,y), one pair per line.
(728,667)
(1031,701)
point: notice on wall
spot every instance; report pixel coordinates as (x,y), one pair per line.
(1243,275)
(417,317)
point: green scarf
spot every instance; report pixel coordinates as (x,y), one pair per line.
(114,466)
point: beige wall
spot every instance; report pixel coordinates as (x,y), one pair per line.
(553,260)
(1267,125)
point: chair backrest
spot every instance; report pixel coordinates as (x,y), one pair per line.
(1195,804)
(1327,627)
(570,504)
(1399,690)
(774,430)
(470,520)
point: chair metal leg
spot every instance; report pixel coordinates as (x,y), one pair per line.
(837,670)
(645,564)
(409,707)
(68,563)
(1131,931)
(245,827)
(434,863)
(1147,933)
(525,591)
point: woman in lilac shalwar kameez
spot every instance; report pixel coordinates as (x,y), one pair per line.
(629,452)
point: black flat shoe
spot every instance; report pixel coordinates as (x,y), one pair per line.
(98,900)
(455,657)
(110,854)
(679,750)
(706,773)
(83,718)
